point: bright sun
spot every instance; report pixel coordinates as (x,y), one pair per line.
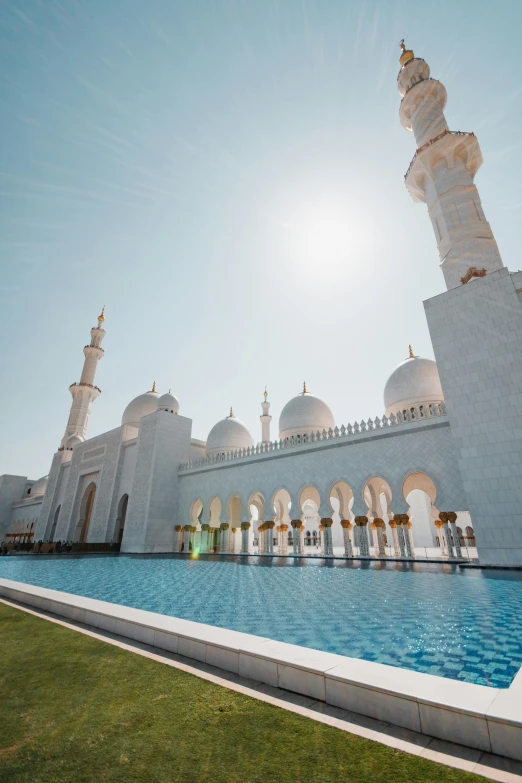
(328,233)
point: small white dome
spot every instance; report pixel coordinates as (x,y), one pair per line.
(413,383)
(73,441)
(39,486)
(305,414)
(140,406)
(228,435)
(167,402)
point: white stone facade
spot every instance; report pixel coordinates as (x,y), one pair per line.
(448,454)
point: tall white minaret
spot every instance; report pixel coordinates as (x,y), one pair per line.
(85,392)
(265,419)
(442,173)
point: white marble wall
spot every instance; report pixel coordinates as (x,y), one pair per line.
(11,490)
(163,442)
(416,447)
(476,331)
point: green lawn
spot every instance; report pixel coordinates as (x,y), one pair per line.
(74,709)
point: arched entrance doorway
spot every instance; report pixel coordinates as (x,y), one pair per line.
(55,522)
(86,507)
(120,519)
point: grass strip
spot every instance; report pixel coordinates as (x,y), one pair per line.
(74,709)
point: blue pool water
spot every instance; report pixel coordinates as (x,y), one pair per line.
(459,623)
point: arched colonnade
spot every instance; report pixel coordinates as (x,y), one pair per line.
(311,521)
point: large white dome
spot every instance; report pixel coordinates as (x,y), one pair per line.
(305,414)
(228,435)
(39,487)
(414,382)
(140,406)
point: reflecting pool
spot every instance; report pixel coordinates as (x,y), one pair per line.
(465,624)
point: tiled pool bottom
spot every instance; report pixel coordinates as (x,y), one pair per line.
(438,619)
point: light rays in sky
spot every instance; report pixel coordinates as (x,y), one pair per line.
(209,169)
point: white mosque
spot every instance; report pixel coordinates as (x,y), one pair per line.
(439,470)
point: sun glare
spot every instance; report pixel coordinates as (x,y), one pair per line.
(328,233)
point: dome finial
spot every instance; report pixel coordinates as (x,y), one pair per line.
(231,414)
(406,54)
(412,355)
(304,387)
(101,317)
(153,386)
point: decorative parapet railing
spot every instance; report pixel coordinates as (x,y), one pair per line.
(427,79)
(421,413)
(433,141)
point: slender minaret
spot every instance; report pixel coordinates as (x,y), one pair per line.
(85,392)
(442,173)
(265,419)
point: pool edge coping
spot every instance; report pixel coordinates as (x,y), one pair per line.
(477,716)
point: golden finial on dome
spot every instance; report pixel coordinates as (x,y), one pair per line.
(304,388)
(412,355)
(153,386)
(231,414)
(265,394)
(406,55)
(101,317)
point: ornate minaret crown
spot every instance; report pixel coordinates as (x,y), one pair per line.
(265,419)
(442,173)
(85,392)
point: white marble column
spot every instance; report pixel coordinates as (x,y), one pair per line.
(410,552)
(179,538)
(400,535)
(445,521)
(270,537)
(410,538)
(186,538)
(204,538)
(260,539)
(223,543)
(296,536)
(347,528)
(364,547)
(327,536)
(283,533)
(245,527)
(452,519)
(232,540)
(379,533)
(396,546)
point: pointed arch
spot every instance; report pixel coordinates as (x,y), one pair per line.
(86,507)
(55,522)
(121,518)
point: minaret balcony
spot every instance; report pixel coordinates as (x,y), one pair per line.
(448,145)
(80,386)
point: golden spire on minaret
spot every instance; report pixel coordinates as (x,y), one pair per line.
(101,317)
(265,394)
(304,388)
(406,54)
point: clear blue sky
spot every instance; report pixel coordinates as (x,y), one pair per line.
(227,178)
